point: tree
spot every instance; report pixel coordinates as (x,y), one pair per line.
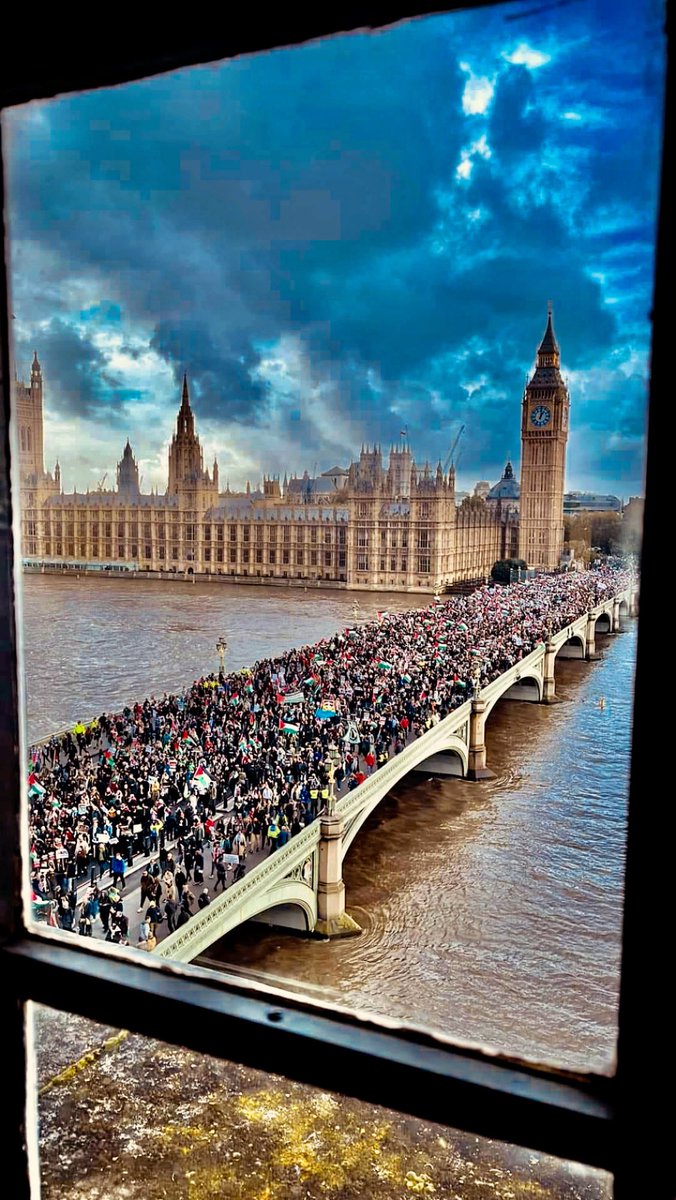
(506,570)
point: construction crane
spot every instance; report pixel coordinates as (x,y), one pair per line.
(102,480)
(451,453)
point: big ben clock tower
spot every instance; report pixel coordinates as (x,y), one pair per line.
(544,434)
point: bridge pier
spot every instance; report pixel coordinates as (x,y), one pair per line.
(633,604)
(476,765)
(615,620)
(332,920)
(591,636)
(548,681)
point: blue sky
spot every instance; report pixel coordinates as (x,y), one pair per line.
(343,239)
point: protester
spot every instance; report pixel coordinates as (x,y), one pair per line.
(259,739)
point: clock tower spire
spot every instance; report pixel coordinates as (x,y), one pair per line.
(544,435)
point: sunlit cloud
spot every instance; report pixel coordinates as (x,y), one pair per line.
(477,93)
(524,55)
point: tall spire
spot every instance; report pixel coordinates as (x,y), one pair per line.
(185,397)
(549,344)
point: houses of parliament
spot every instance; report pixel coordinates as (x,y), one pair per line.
(376,525)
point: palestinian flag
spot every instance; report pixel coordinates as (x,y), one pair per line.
(382,616)
(384,666)
(294,698)
(35,788)
(288,727)
(201,780)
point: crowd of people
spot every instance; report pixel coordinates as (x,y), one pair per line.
(160,774)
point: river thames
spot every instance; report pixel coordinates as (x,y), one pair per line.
(491,911)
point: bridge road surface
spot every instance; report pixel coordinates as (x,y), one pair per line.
(131,893)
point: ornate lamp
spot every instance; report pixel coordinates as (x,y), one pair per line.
(221,647)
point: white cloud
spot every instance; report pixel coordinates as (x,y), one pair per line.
(467,155)
(525,55)
(571,116)
(477,93)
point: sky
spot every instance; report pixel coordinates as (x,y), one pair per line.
(348,239)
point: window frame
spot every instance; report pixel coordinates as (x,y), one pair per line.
(601,1121)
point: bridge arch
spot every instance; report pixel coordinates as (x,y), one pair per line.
(574,647)
(604,622)
(293,901)
(452,745)
(526,687)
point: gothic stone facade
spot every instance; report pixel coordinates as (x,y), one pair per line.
(386,526)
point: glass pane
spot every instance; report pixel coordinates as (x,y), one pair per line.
(227,280)
(121,1115)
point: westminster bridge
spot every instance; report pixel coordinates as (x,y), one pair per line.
(301,885)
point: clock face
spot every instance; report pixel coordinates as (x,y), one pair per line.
(540,416)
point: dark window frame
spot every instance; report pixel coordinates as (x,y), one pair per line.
(604,1122)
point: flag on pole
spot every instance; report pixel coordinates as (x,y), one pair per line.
(382,616)
(201,780)
(288,727)
(294,698)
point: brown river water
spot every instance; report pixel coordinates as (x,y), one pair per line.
(491,911)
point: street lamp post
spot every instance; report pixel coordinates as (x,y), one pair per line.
(476,680)
(333,759)
(221,647)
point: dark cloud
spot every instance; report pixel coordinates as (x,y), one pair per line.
(311,194)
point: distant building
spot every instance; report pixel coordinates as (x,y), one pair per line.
(381,523)
(574,502)
(506,490)
(632,523)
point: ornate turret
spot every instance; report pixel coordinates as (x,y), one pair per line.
(127,475)
(36,372)
(186,466)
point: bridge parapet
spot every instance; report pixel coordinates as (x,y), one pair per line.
(281,878)
(242,900)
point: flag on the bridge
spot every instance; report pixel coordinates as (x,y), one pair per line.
(35,788)
(384,666)
(382,616)
(294,698)
(201,780)
(288,727)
